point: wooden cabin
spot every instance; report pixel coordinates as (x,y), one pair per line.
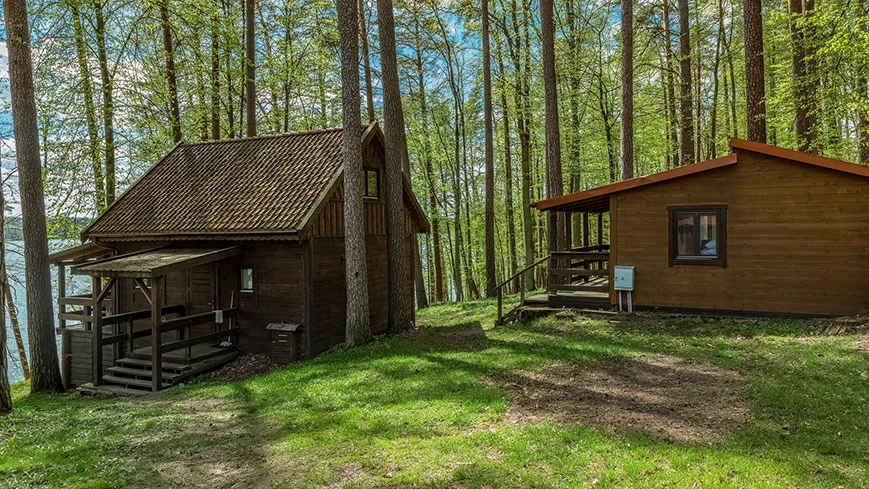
(764,230)
(224,247)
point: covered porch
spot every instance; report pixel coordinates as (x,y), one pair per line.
(577,277)
(142,349)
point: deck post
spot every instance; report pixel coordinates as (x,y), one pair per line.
(97,329)
(585,230)
(156,334)
(500,304)
(61,292)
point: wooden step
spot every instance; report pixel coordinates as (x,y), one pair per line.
(138,372)
(126,381)
(115,390)
(146,364)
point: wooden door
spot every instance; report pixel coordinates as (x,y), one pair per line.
(201,294)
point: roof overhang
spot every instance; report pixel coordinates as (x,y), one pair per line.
(78,254)
(155,262)
(597,199)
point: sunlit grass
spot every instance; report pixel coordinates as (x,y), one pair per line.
(425,409)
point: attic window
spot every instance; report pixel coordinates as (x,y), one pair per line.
(372,183)
(698,235)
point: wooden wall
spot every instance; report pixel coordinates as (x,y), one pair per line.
(797,240)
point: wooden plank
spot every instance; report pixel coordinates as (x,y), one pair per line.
(582,288)
(198,340)
(581,272)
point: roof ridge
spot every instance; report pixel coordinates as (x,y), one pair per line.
(264,136)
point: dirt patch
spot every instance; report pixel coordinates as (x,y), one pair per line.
(662,395)
(245,366)
(862,344)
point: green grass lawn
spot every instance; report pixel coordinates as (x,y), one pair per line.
(430,408)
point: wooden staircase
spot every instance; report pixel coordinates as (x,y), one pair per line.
(134,374)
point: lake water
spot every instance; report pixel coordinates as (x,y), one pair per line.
(15,268)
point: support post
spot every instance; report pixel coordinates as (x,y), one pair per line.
(599,230)
(97,329)
(585,229)
(156,334)
(61,292)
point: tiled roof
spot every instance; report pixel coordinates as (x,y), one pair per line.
(259,185)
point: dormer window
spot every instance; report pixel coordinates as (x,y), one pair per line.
(372,183)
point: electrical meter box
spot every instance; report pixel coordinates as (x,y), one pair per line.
(623,278)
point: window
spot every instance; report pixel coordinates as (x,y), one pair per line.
(698,235)
(372,183)
(245,282)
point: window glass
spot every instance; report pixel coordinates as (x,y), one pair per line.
(372,184)
(246,280)
(697,235)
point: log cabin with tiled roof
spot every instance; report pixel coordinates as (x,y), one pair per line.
(764,230)
(224,247)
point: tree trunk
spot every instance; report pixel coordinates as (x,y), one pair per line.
(554,184)
(393,124)
(627,108)
(673,136)
(108,101)
(803,107)
(40,315)
(713,116)
(508,167)
(366,62)
(5,391)
(686,124)
(89,108)
(171,82)
(215,77)
(490,155)
(755,87)
(250,67)
(358,330)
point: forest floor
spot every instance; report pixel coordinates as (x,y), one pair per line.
(619,401)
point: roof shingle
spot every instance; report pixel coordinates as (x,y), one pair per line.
(255,185)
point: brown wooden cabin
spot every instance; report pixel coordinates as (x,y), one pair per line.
(237,243)
(764,230)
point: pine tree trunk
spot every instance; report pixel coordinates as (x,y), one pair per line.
(10,302)
(490,155)
(215,77)
(686,124)
(804,113)
(366,62)
(863,122)
(89,108)
(40,315)
(400,317)
(554,183)
(510,217)
(428,168)
(358,330)
(755,87)
(5,392)
(108,101)
(250,67)
(627,101)
(673,135)
(713,116)
(171,82)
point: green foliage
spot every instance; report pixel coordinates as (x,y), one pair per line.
(427,409)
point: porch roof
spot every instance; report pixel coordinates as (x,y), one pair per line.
(154,262)
(598,199)
(78,254)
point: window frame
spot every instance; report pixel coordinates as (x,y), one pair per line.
(720,212)
(241,290)
(376,172)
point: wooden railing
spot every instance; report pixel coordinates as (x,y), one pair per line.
(578,267)
(520,275)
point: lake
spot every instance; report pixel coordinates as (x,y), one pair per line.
(15,268)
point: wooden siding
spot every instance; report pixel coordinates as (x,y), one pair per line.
(798,240)
(78,369)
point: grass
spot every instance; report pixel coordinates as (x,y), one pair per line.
(425,409)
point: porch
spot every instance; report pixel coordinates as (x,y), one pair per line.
(145,349)
(578,278)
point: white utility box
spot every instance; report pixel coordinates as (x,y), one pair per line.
(623,278)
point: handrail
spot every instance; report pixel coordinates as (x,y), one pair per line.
(521,276)
(522,272)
